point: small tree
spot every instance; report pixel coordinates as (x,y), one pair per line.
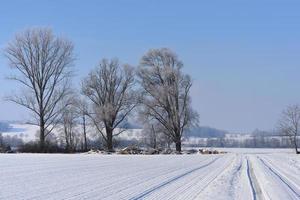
(69,121)
(166,92)
(43,62)
(82,110)
(150,135)
(1,142)
(289,124)
(109,88)
(154,136)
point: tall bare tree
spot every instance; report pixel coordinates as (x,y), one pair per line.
(110,89)
(289,124)
(43,62)
(82,111)
(166,93)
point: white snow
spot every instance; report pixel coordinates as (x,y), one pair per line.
(239,175)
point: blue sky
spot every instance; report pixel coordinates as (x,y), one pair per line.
(243,55)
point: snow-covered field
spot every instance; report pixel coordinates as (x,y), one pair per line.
(239,175)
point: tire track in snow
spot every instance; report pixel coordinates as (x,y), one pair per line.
(284,169)
(250,181)
(235,175)
(165,183)
(213,176)
(128,182)
(191,188)
(283,180)
(255,186)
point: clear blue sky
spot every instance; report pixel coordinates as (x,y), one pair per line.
(243,55)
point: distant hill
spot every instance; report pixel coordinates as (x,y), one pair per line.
(206,132)
(4,126)
(258,132)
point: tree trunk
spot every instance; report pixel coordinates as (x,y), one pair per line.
(296,145)
(177,140)
(67,139)
(154,138)
(109,142)
(71,146)
(178,146)
(42,136)
(84,134)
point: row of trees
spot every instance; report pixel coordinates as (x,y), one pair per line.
(249,142)
(158,90)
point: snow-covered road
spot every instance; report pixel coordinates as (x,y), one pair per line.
(81,176)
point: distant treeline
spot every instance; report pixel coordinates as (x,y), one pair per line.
(251,142)
(211,137)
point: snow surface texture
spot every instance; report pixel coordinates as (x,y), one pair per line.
(92,176)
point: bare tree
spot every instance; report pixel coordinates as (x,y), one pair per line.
(82,110)
(150,135)
(166,93)
(110,90)
(154,137)
(69,121)
(289,124)
(43,63)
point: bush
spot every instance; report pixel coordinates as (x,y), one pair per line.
(34,147)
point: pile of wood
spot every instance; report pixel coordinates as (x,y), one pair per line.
(152,151)
(210,151)
(190,151)
(131,150)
